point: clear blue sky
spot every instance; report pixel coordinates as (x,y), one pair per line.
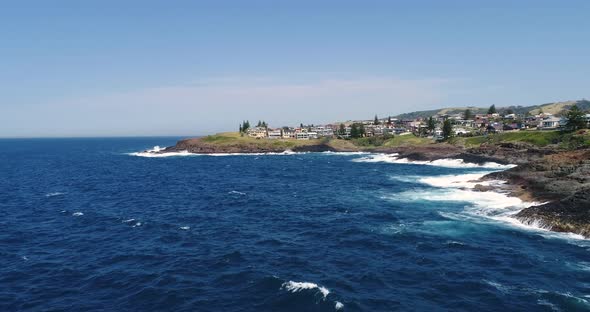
(93,68)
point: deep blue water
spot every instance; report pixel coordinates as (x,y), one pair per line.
(87,227)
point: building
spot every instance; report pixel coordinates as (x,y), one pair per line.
(257,132)
(275,134)
(549,123)
(303,135)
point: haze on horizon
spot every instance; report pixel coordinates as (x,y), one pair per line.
(112,68)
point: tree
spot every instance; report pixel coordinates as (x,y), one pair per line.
(354,131)
(467,114)
(492,109)
(241,128)
(447,129)
(509,111)
(342,129)
(245,126)
(362,130)
(575,119)
(431,125)
(389,120)
(376,121)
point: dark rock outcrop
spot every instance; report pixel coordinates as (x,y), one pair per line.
(571,214)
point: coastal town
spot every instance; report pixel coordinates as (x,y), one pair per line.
(438,127)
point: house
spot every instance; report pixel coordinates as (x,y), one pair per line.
(549,123)
(303,135)
(288,133)
(495,127)
(257,132)
(323,131)
(275,134)
(510,116)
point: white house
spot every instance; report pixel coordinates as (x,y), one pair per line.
(275,134)
(549,123)
(302,136)
(257,132)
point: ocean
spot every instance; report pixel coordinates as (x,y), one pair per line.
(93,225)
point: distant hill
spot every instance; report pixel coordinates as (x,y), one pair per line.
(556,108)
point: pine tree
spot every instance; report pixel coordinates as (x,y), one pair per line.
(431,124)
(447,129)
(376,121)
(575,119)
(467,114)
(342,130)
(241,128)
(492,109)
(362,130)
(354,131)
(389,120)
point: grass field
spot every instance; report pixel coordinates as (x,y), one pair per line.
(234,138)
(534,137)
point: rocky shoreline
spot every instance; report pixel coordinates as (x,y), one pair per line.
(558,178)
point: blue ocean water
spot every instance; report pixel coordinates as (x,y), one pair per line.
(87,226)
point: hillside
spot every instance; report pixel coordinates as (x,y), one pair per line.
(553,108)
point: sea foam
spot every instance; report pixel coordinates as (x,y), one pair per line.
(492,205)
(54,194)
(299,286)
(447,163)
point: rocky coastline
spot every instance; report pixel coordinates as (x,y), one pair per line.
(560,179)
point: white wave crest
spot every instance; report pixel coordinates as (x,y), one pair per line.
(54,194)
(486,201)
(156,153)
(447,163)
(299,286)
(345,153)
(338,305)
(469,180)
(77,214)
(237,193)
(287,152)
(496,206)
(185,228)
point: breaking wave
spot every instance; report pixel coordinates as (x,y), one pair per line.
(493,205)
(54,194)
(299,286)
(447,163)
(157,152)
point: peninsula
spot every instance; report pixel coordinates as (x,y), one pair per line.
(551,150)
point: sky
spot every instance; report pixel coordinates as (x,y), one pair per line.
(144,68)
